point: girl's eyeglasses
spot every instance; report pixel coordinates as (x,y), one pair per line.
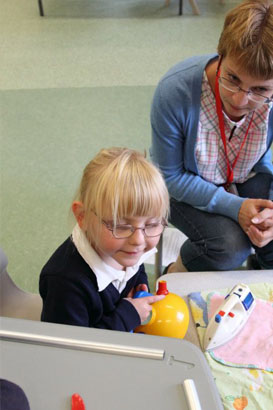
(125,231)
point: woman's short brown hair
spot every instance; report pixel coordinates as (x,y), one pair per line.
(248,36)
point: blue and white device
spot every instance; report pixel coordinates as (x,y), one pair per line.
(230,317)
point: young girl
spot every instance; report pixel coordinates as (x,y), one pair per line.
(121,210)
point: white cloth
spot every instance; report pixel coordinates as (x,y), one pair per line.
(105,274)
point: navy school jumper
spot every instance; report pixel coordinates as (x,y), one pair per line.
(70,294)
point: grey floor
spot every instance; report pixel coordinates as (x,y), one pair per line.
(77,80)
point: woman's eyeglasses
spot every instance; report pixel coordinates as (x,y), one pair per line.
(125,231)
(234,88)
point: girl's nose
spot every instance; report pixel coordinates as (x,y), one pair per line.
(137,237)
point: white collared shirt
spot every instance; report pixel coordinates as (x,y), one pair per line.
(105,274)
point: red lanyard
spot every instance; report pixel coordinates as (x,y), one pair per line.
(220,115)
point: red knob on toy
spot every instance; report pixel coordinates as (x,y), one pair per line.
(170,316)
(162,288)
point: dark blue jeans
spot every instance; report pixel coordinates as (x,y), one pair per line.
(216,242)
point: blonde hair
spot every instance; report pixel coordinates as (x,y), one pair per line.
(121,182)
(248,36)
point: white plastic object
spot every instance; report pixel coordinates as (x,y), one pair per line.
(230,317)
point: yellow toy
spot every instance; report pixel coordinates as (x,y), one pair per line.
(170,316)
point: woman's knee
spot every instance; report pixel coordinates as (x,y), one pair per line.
(215,242)
(215,254)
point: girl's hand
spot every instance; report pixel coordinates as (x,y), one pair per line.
(143,305)
(251,208)
(138,288)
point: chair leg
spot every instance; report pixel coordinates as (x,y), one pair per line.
(180,7)
(41,9)
(158,258)
(195,7)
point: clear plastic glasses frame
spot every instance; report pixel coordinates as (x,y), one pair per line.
(230,86)
(125,231)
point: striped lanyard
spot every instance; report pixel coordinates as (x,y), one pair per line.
(219,109)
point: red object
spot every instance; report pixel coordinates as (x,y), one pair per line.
(230,167)
(231,314)
(221,313)
(77,402)
(162,288)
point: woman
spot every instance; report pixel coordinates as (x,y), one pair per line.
(212,129)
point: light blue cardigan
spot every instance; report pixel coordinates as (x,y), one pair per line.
(174,119)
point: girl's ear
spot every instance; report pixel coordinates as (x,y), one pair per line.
(78,211)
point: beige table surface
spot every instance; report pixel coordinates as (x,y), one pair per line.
(183,283)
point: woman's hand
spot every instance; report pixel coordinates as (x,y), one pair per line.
(256,220)
(143,305)
(260,231)
(251,208)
